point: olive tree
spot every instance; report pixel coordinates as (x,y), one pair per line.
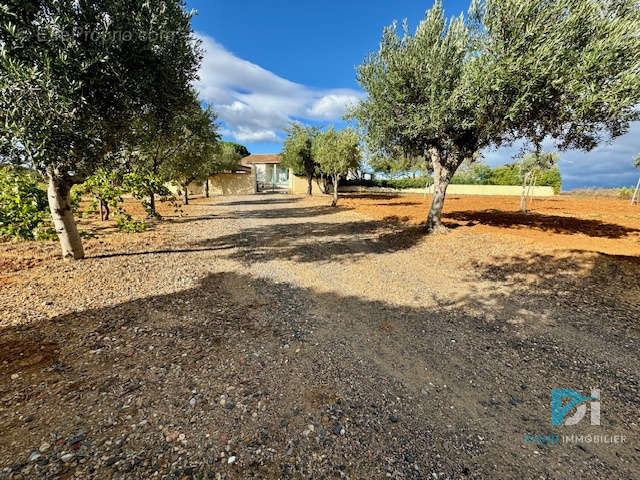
(337,153)
(195,147)
(566,70)
(73,75)
(298,154)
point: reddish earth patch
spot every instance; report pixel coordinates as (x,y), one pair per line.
(593,224)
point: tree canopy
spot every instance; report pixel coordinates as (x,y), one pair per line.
(337,153)
(73,75)
(510,69)
(298,152)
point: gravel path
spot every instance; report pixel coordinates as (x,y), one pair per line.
(275,337)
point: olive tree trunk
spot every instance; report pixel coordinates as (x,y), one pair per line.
(59,195)
(309,184)
(152,204)
(185,199)
(336,182)
(206,188)
(442,173)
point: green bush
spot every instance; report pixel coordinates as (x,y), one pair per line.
(398,183)
(505,175)
(626,192)
(23,205)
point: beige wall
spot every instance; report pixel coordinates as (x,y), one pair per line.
(495,190)
(223,184)
(298,185)
(233,184)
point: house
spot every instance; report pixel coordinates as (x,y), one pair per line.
(271,176)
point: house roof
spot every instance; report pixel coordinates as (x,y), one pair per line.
(261,158)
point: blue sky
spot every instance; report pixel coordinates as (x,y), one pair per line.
(268,63)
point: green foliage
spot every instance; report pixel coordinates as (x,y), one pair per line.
(105,185)
(481,174)
(626,192)
(636,162)
(241,150)
(397,183)
(226,158)
(75,74)
(297,150)
(474,174)
(551,178)
(565,70)
(126,223)
(23,205)
(337,151)
(140,183)
(198,155)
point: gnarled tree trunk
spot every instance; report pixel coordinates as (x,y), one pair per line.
(206,188)
(59,195)
(442,174)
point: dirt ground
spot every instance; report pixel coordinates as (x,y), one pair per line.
(607,225)
(277,337)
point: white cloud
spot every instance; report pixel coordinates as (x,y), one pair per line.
(257,105)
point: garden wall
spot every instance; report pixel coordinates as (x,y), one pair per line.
(494,190)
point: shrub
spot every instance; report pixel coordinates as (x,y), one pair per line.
(23,205)
(626,192)
(399,183)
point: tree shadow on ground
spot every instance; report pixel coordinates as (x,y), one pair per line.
(546,223)
(443,377)
(317,241)
(259,200)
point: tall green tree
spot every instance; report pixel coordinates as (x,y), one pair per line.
(73,75)
(298,153)
(196,134)
(565,70)
(241,150)
(337,152)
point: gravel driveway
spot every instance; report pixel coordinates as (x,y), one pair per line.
(276,337)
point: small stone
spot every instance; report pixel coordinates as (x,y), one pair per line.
(34,456)
(67,457)
(172,437)
(15,376)
(192,402)
(28,419)
(229,405)
(44,447)
(393,419)
(231,459)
